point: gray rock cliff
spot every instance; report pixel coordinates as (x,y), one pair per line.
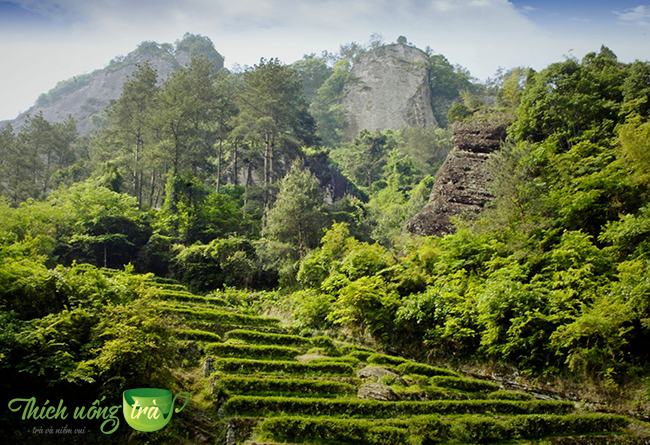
(390,90)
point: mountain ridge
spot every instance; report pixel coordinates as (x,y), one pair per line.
(86,96)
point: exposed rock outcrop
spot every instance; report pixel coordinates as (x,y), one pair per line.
(374,373)
(84,97)
(391,90)
(377,391)
(461,184)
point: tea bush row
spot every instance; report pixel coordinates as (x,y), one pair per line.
(239,385)
(464,384)
(422,369)
(348,431)
(185,296)
(431,429)
(266,338)
(476,429)
(253,405)
(382,359)
(220,316)
(246,366)
(273,352)
(195,334)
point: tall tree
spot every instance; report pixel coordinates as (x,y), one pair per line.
(298,214)
(131,117)
(270,100)
(225,112)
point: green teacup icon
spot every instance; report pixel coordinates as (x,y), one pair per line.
(149,409)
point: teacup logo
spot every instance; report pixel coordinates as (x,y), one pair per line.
(149,409)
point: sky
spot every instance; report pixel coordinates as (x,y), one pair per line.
(45,41)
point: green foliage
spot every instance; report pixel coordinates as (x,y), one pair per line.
(298,215)
(226,261)
(327,108)
(366,303)
(312,72)
(458,112)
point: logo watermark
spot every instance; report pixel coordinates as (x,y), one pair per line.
(144,409)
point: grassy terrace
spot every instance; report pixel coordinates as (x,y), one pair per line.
(266,395)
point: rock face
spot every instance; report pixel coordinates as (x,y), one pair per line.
(390,90)
(377,391)
(85,96)
(461,183)
(374,373)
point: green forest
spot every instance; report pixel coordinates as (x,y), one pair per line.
(212,199)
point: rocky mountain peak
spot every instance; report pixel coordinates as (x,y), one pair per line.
(390,90)
(84,97)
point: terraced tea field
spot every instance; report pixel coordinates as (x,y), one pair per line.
(275,388)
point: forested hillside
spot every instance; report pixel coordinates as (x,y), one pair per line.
(210,202)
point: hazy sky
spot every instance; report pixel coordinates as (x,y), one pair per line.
(45,41)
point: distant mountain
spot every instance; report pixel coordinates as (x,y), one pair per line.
(86,96)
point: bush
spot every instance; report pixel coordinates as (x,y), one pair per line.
(245,366)
(422,369)
(471,385)
(266,338)
(252,351)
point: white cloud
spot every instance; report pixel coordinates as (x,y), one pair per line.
(639,16)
